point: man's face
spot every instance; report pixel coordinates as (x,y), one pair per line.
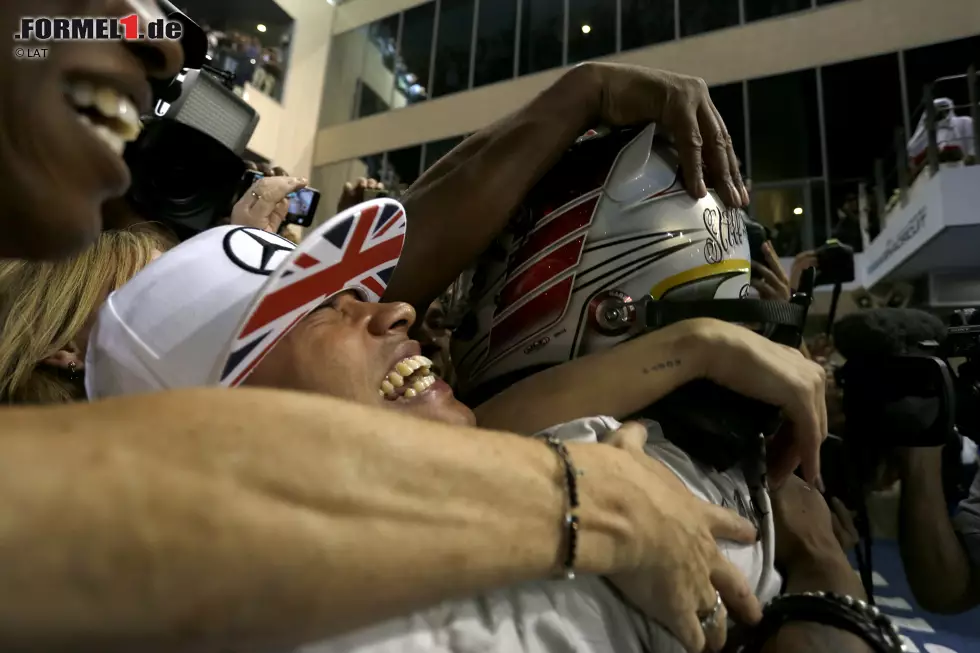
(56,167)
(360,351)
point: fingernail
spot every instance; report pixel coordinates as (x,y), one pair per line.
(702,189)
(818,483)
(736,197)
(745,196)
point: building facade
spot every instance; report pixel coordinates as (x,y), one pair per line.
(812,91)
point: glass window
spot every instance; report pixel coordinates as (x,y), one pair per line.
(403,168)
(698,16)
(591,29)
(496,28)
(383,35)
(924,65)
(415,53)
(783,210)
(862,109)
(370,102)
(646,22)
(759,9)
(438,149)
(452,72)
(373,163)
(784,127)
(731,105)
(542,23)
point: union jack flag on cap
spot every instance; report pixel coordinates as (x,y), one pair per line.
(356,250)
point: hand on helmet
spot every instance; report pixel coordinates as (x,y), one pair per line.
(756,367)
(680,566)
(633,95)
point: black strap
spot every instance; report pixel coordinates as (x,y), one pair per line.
(658,314)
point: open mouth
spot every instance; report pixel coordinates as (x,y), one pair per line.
(111,116)
(409,378)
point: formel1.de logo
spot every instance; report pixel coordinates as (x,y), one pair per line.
(96,28)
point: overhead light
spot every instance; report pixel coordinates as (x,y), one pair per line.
(252,61)
(798,211)
(586,29)
(260,27)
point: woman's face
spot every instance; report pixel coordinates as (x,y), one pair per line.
(63,121)
(361,351)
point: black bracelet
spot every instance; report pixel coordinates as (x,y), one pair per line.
(834,610)
(570,520)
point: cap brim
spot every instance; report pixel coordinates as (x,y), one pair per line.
(357,249)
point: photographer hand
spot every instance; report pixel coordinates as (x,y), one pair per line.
(264,205)
(802,261)
(680,566)
(354,193)
(770,280)
(634,95)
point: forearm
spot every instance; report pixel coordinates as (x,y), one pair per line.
(456,209)
(828,572)
(936,564)
(617,382)
(216,520)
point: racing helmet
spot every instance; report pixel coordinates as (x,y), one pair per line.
(611,224)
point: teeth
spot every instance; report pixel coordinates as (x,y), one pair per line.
(121,112)
(412,374)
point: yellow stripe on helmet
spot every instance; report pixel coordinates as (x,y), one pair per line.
(700,272)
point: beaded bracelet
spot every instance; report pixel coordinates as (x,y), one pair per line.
(829,609)
(570,521)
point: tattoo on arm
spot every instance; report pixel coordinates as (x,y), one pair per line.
(662,365)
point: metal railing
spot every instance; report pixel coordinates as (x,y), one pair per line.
(945,142)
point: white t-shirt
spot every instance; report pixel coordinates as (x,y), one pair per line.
(584,615)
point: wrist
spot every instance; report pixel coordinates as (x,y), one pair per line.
(699,338)
(583,86)
(823,567)
(607,536)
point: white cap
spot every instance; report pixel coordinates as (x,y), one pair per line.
(207,311)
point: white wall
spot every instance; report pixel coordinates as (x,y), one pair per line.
(285,133)
(835,33)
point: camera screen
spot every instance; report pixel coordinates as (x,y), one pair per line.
(300,201)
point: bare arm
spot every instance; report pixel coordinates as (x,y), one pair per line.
(829,572)
(936,563)
(617,382)
(469,197)
(214,520)
(808,551)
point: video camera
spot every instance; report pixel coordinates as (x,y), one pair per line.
(900,389)
(187,164)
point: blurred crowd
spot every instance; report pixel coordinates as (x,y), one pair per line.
(249,61)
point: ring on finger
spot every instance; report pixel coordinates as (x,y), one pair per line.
(709,618)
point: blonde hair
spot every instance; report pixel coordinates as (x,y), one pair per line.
(45,305)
